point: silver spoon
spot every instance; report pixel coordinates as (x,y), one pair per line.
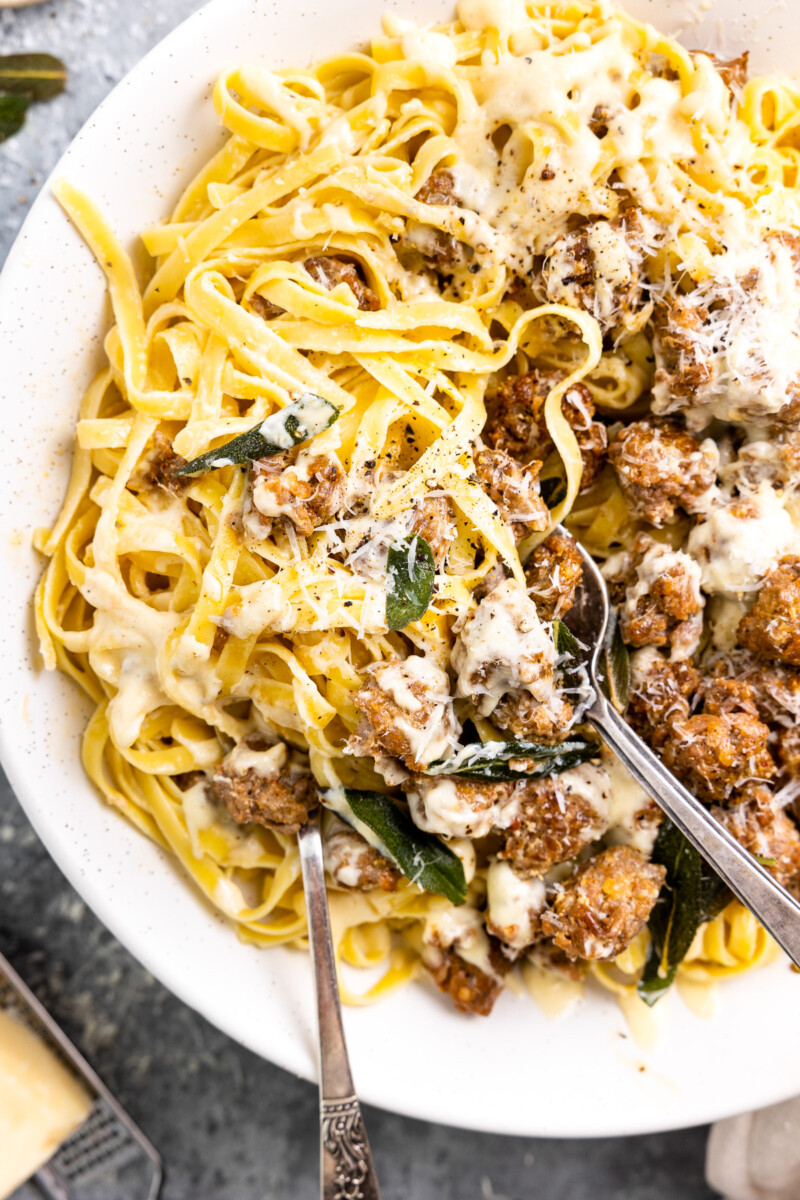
(346,1166)
(777,911)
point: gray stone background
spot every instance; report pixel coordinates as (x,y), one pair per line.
(230,1126)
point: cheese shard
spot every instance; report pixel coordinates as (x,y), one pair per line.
(41,1103)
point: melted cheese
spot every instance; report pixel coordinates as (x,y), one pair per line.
(510,211)
(724,615)
(437,737)
(750,337)
(627,799)
(590,783)
(503,646)
(513,904)
(268,764)
(614,266)
(439,804)
(122,645)
(459,929)
(740,541)
(212,830)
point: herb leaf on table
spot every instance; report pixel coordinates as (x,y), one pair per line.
(12,114)
(37,76)
(24,80)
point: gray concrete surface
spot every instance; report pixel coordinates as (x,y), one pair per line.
(230,1126)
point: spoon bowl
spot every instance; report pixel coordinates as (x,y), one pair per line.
(770,903)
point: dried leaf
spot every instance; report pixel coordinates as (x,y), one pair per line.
(12,115)
(37,76)
(616,668)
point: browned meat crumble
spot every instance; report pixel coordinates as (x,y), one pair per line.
(684,356)
(554,573)
(441,249)
(354,864)
(517,425)
(471,989)
(661,468)
(514,489)
(658,596)
(571,271)
(307,496)
(414,735)
(603,906)
(766,831)
(330,271)
(162,465)
(281,802)
(555,823)
(772,627)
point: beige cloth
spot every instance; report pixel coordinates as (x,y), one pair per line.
(757,1156)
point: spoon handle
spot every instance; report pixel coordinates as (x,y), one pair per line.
(347,1170)
(775,908)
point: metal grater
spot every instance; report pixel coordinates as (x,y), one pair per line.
(108,1155)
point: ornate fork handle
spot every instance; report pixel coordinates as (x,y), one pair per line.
(347,1170)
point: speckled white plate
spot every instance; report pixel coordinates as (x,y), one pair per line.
(514,1073)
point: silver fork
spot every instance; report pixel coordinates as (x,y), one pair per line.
(777,911)
(347,1171)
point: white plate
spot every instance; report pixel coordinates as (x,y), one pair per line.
(513,1073)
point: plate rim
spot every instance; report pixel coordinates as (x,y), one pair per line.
(284,1054)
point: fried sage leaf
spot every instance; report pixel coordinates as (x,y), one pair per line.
(692,894)
(494,760)
(12,114)
(565,640)
(411,572)
(296,423)
(425,859)
(615,667)
(573,656)
(37,76)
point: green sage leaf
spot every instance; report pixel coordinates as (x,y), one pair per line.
(565,640)
(615,667)
(411,572)
(573,674)
(692,894)
(12,114)
(423,858)
(304,419)
(37,76)
(492,760)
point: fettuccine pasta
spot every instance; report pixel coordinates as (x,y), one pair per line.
(432,284)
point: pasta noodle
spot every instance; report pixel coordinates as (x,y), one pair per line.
(191,620)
